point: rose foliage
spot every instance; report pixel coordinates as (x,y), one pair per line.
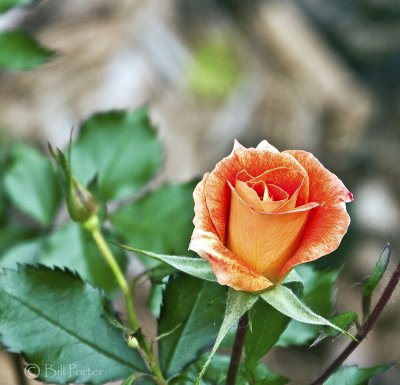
(259,216)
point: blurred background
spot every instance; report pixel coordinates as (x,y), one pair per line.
(323,76)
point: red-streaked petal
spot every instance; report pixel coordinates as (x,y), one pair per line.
(327,223)
(256,162)
(251,198)
(325,186)
(287,179)
(202,218)
(277,193)
(225,265)
(325,229)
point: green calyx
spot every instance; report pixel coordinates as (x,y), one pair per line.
(80,202)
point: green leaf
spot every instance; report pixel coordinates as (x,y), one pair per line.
(261,375)
(217,372)
(121,147)
(190,318)
(197,267)
(318,294)
(238,303)
(71,246)
(344,321)
(6,5)
(155,299)
(11,235)
(56,320)
(283,299)
(160,221)
(134,379)
(26,252)
(352,375)
(380,268)
(19,51)
(32,185)
(267,324)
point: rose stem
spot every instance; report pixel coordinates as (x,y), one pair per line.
(237,349)
(93,226)
(383,300)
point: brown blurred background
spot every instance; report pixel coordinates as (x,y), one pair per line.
(323,76)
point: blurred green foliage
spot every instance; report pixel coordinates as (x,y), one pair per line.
(19,51)
(215,70)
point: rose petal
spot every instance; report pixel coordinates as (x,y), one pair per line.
(277,193)
(202,218)
(228,270)
(248,195)
(327,223)
(265,146)
(287,179)
(325,186)
(256,162)
(291,181)
(266,241)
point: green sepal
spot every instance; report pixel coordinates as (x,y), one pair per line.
(317,293)
(80,202)
(197,267)
(285,301)
(238,303)
(344,321)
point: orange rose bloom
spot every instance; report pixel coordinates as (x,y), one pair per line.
(261,212)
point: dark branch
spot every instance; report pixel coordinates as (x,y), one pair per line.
(237,350)
(369,323)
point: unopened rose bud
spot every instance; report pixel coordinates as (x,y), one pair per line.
(80,202)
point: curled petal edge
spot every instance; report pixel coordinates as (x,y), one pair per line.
(255,162)
(225,265)
(264,145)
(325,230)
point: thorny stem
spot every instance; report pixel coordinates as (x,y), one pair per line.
(93,226)
(237,350)
(365,329)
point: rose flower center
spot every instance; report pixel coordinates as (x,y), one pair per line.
(264,230)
